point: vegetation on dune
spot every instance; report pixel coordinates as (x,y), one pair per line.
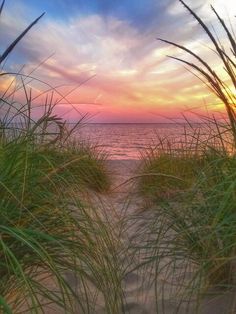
(193,236)
(47,233)
(45,228)
(167,171)
(196,235)
(82,164)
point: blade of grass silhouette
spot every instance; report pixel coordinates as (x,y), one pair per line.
(1,8)
(212,38)
(16,41)
(230,37)
(149,174)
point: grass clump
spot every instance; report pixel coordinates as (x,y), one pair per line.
(193,239)
(82,164)
(47,232)
(192,244)
(218,208)
(164,174)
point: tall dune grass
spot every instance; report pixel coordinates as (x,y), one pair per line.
(46,227)
(48,232)
(193,242)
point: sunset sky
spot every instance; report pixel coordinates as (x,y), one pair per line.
(108,50)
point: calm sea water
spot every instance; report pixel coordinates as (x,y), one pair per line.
(127,141)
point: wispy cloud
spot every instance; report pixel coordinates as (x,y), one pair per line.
(133,75)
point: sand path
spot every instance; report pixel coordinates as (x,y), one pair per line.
(139,290)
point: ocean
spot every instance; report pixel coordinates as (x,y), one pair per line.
(128,141)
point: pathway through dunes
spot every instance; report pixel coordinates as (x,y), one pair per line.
(132,222)
(129,212)
(138,285)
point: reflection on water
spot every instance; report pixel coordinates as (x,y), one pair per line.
(127,141)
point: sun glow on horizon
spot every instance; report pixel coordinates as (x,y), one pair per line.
(116,68)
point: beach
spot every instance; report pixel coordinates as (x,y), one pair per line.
(117,164)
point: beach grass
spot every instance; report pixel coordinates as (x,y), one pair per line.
(47,228)
(166,171)
(192,189)
(193,235)
(80,163)
(49,233)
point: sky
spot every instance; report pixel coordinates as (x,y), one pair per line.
(105,57)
